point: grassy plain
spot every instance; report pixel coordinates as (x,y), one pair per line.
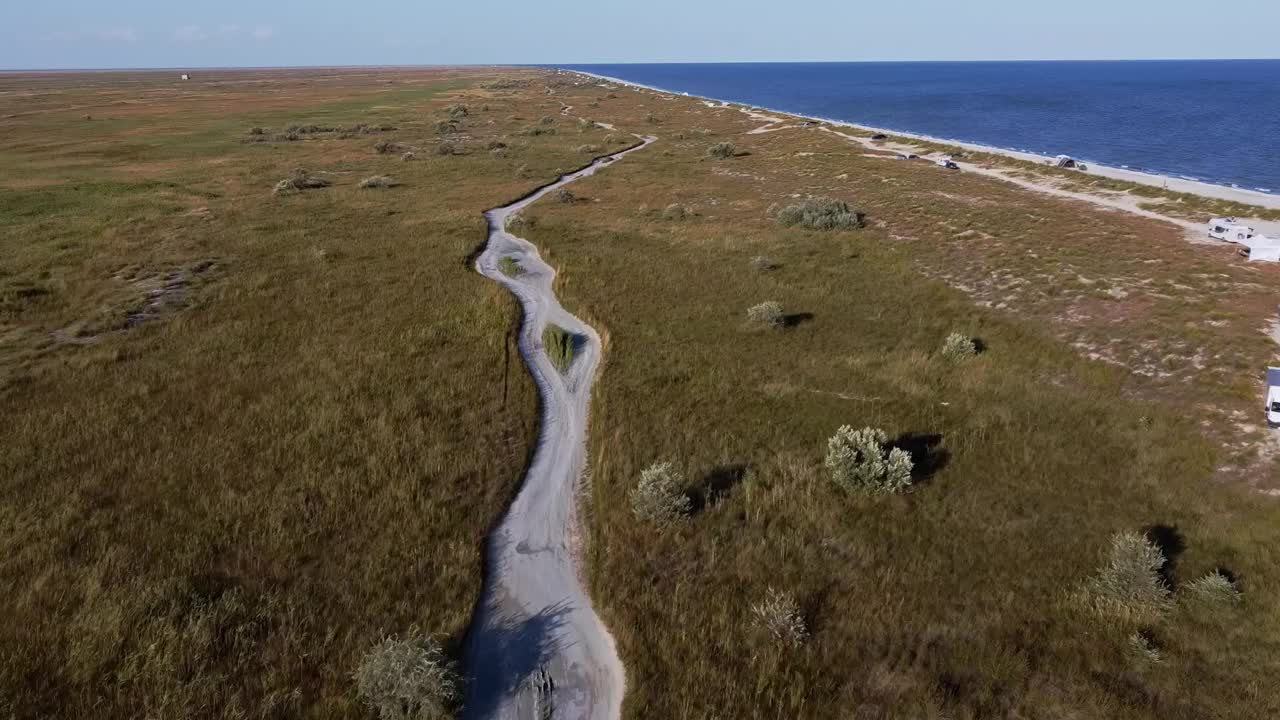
(215,497)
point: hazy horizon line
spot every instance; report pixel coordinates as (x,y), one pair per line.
(159,68)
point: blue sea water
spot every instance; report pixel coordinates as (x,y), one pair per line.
(1217,121)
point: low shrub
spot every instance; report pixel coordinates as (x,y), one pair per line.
(563,195)
(659,498)
(377,182)
(559,346)
(779,615)
(298,182)
(675,211)
(458,111)
(760,263)
(446,127)
(385,147)
(496,145)
(538,130)
(589,149)
(257,131)
(519,222)
(652,119)
(1213,588)
(408,156)
(820,214)
(547,120)
(959,347)
(858,461)
(408,678)
(446,148)
(766,314)
(1129,586)
(722,150)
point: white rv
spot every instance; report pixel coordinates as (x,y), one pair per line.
(1273,397)
(1261,248)
(1229,230)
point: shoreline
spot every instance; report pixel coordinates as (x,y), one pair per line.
(1170,183)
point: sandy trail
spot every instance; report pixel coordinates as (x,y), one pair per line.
(536,648)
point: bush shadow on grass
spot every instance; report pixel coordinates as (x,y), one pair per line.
(927,458)
(715,485)
(979,345)
(796,319)
(1172,544)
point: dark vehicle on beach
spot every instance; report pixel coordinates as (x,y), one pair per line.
(879,136)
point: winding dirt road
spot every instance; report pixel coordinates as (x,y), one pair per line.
(536,648)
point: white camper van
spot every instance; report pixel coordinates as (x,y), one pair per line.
(1229,230)
(1273,397)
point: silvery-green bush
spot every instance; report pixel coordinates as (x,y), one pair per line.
(820,214)
(767,314)
(408,678)
(659,497)
(1129,586)
(1213,588)
(858,460)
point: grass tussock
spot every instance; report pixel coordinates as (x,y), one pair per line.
(1214,588)
(778,616)
(560,345)
(821,214)
(959,347)
(675,211)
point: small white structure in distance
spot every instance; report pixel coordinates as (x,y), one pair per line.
(1273,396)
(1229,229)
(186,76)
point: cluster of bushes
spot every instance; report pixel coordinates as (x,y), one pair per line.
(295,132)
(1131,589)
(820,214)
(386,147)
(537,130)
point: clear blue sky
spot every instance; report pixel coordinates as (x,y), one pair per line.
(169,33)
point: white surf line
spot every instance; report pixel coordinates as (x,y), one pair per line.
(536,648)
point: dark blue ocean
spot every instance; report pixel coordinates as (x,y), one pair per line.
(1216,121)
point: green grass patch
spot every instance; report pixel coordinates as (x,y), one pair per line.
(559,345)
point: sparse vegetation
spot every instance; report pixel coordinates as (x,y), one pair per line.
(446,148)
(1144,648)
(760,263)
(820,214)
(958,347)
(778,614)
(766,314)
(658,498)
(408,678)
(408,156)
(722,150)
(458,110)
(1129,586)
(386,147)
(589,149)
(565,196)
(859,460)
(559,345)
